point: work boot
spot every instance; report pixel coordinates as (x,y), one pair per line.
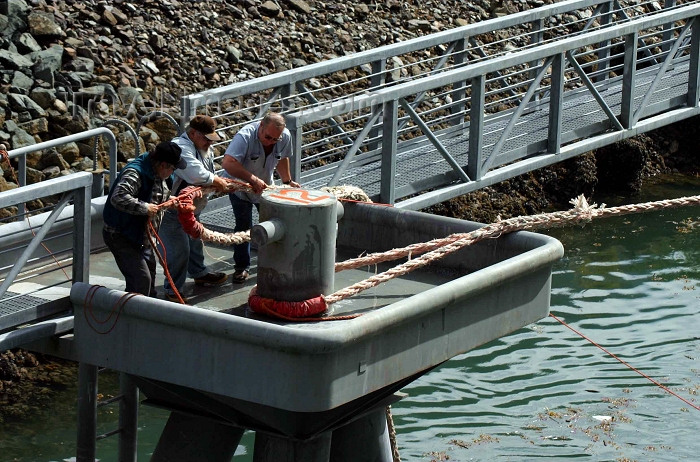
(211,279)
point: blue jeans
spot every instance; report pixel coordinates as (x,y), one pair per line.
(183,254)
(136,262)
(243,212)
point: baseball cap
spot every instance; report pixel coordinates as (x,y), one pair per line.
(169,152)
(206,125)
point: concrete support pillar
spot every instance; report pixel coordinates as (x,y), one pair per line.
(270,448)
(87,413)
(188,438)
(363,440)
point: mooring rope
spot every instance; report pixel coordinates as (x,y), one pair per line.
(655,382)
(439,248)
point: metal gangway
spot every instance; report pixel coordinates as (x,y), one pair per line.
(422,121)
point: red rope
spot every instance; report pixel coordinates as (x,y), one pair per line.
(153,234)
(117,307)
(301,311)
(627,364)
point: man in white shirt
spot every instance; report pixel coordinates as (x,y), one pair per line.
(184,254)
(257,150)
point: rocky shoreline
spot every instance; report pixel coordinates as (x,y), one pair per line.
(68,65)
(65,65)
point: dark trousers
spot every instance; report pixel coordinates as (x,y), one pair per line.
(243,212)
(136,262)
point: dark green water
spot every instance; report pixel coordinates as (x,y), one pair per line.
(631,284)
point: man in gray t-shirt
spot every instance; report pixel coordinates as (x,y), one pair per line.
(257,150)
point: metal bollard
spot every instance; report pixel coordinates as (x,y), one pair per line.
(296,244)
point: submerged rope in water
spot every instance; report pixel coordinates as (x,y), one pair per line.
(583,336)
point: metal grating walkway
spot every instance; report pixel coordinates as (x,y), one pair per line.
(17,309)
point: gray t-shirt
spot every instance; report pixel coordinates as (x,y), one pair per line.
(247,149)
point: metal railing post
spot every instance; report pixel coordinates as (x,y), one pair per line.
(82,221)
(377,80)
(387,193)
(603,53)
(536,36)
(555,105)
(628,79)
(22,179)
(297,132)
(286,96)
(693,71)
(459,92)
(187,110)
(668,29)
(476,128)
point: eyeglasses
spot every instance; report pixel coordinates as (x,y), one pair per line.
(270,138)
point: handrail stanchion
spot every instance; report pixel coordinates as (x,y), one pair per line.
(630,70)
(297,132)
(22,179)
(693,71)
(476,128)
(459,92)
(387,194)
(82,221)
(556,100)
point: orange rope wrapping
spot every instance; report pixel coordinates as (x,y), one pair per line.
(195,229)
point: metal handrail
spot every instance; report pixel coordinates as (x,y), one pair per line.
(22,152)
(75,188)
(472,72)
(286,82)
(345,105)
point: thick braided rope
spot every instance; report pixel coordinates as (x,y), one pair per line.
(225,238)
(582,212)
(193,192)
